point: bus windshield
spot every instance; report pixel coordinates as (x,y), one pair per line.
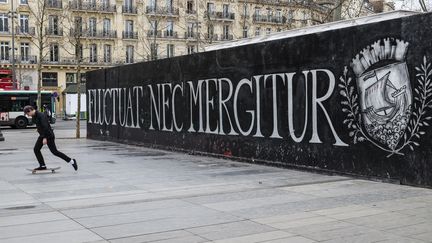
(6,79)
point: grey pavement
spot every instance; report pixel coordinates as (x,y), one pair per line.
(125,193)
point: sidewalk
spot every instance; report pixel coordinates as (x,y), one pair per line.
(126,193)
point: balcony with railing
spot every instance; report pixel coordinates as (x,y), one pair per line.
(268,19)
(93,33)
(166,34)
(222,16)
(54,4)
(226,37)
(25,31)
(130,35)
(162,11)
(154,33)
(50,31)
(191,11)
(129,9)
(95,61)
(109,34)
(92,7)
(211,37)
(190,35)
(169,34)
(27,59)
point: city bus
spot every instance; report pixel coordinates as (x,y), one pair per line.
(12,103)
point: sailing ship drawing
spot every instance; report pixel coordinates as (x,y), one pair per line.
(383,100)
(384,89)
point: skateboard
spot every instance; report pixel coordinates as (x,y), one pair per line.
(53,170)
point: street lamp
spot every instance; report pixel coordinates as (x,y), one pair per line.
(12,15)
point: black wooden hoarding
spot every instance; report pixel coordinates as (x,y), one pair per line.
(353,100)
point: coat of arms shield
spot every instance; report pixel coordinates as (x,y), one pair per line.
(385,98)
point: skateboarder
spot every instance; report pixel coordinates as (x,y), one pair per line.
(46,136)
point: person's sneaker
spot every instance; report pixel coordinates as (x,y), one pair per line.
(40,168)
(74,164)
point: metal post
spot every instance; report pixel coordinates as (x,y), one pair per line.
(13,45)
(1,136)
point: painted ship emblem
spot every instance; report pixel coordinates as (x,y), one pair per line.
(384,110)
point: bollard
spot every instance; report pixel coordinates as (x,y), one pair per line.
(1,136)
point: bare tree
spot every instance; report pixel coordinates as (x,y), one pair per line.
(76,33)
(39,12)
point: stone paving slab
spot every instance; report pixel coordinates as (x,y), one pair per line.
(127,193)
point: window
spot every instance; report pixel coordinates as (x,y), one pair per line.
(290,16)
(4,51)
(92,4)
(129,26)
(107,53)
(153,51)
(257,31)
(190,49)
(245,32)
(93,53)
(79,49)
(170,50)
(169,5)
(24,23)
(21,1)
(190,30)
(245,10)
(53,23)
(70,78)
(128,4)
(278,16)
(54,52)
(225,11)
(152,5)
(78,25)
(25,52)
(305,17)
(226,32)
(170,28)
(257,12)
(210,8)
(106,27)
(3,1)
(49,79)
(4,23)
(268,31)
(190,7)
(210,31)
(153,27)
(92,27)
(269,12)
(129,54)
(106,4)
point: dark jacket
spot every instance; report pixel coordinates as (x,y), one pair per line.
(43,126)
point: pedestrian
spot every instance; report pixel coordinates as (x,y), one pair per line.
(48,112)
(46,136)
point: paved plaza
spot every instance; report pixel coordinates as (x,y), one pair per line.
(125,193)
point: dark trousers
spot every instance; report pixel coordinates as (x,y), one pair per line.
(52,147)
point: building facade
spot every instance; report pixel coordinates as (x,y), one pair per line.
(115,32)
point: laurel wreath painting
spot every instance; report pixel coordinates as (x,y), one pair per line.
(409,127)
